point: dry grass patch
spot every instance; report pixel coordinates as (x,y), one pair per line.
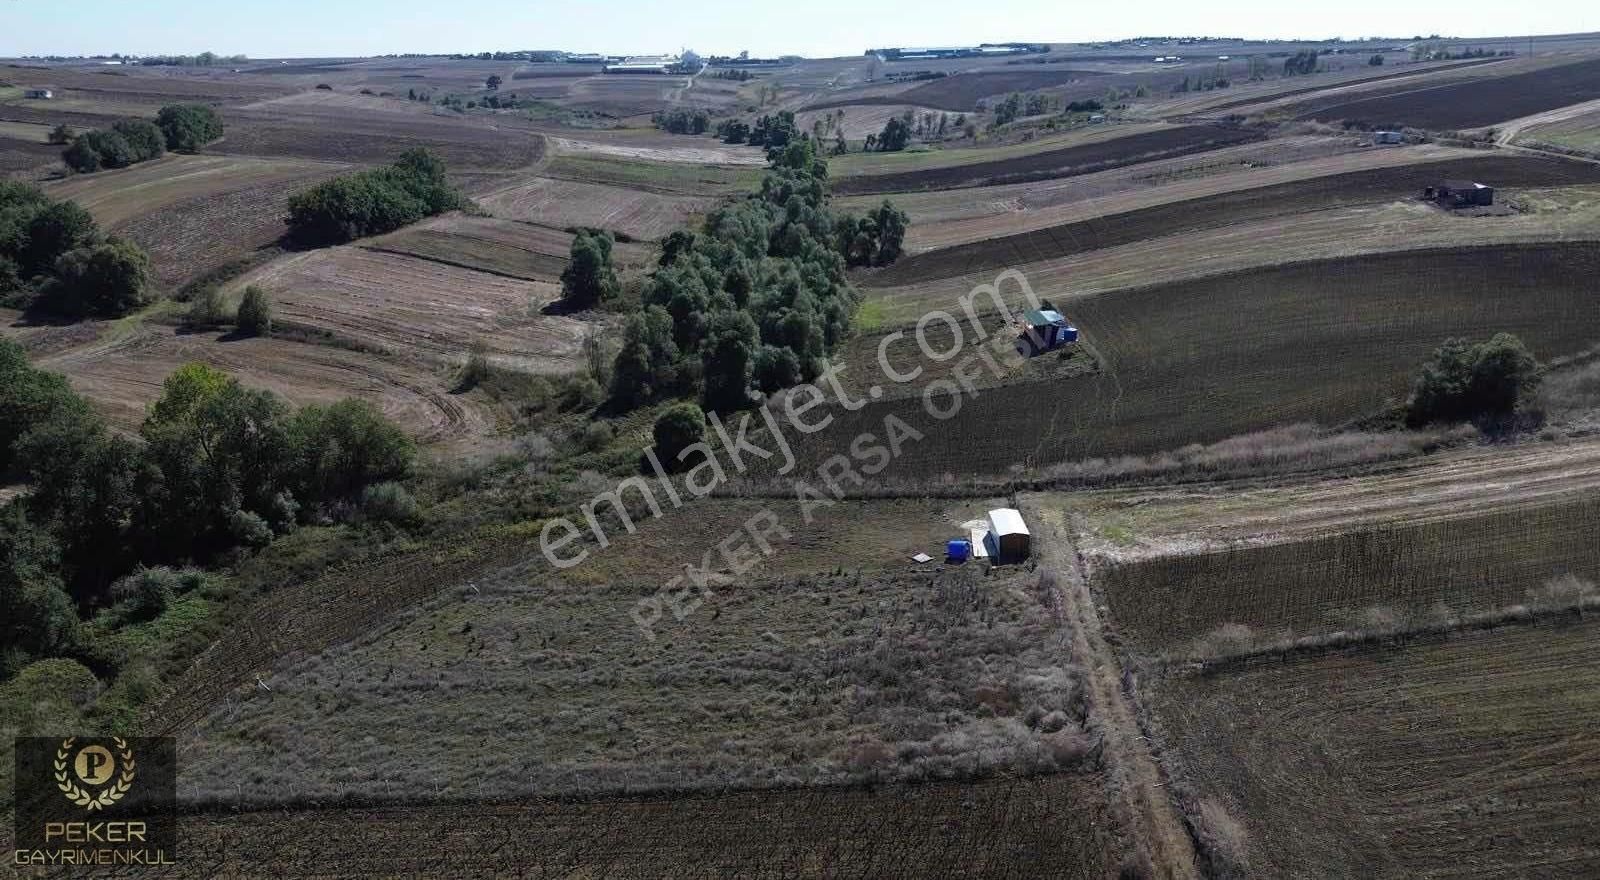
(564,204)
(813,680)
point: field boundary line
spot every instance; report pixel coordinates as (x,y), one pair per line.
(1139,783)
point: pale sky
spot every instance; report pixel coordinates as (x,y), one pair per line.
(311,28)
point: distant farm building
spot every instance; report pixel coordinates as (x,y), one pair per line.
(1388,137)
(646,64)
(1460,194)
(38,94)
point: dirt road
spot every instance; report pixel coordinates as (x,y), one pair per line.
(1135,776)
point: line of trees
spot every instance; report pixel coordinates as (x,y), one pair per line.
(755,299)
(682,121)
(773,131)
(183,128)
(216,467)
(53,256)
(373,202)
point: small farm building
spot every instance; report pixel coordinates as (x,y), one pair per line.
(1461,193)
(38,94)
(1388,137)
(1008,536)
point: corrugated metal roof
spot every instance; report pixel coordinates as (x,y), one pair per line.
(1007,521)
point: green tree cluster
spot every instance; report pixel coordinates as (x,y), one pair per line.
(590,278)
(894,137)
(184,128)
(373,202)
(219,466)
(53,255)
(682,121)
(873,240)
(188,127)
(753,300)
(1300,63)
(1480,382)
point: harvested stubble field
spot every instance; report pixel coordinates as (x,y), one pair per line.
(970,152)
(377,138)
(1326,342)
(676,177)
(564,204)
(410,307)
(653,147)
(943,674)
(123,377)
(1470,756)
(500,247)
(1148,146)
(115,197)
(942,219)
(1115,526)
(1284,88)
(1473,104)
(1057,826)
(1225,208)
(961,92)
(1326,584)
(1545,215)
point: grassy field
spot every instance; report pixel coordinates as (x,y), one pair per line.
(1467,757)
(793,681)
(1324,584)
(1325,341)
(115,197)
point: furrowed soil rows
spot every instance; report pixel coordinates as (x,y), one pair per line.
(412,307)
(1318,585)
(124,377)
(503,247)
(1054,826)
(962,91)
(1325,341)
(1472,756)
(1473,104)
(1083,159)
(564,204)
(1280,200)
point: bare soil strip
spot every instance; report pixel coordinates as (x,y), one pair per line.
(1135,774)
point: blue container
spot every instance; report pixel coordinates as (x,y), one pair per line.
(958,550)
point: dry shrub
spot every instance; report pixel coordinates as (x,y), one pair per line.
(1290,448)
(1568,592)
(1226,640)
(1379,621)
(1222,841)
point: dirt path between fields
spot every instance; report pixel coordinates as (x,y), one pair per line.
(1136,778)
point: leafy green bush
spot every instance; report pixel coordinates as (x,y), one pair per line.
(188,127)
(206,308)
(589,278)
(145,141)
(147,592)
(373,202)
(111,278)
(1479,382)
(36,615)
(254,317)
(389,502)
(94,150)
(679,427)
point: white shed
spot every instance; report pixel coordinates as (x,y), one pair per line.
(1008,535)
